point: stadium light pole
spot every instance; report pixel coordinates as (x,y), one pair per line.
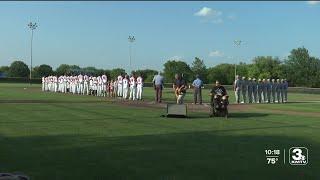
(32,26)
(238,44)
(131,39)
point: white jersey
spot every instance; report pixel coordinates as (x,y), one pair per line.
(80,77)
(120,79)
(104,79)
(139,81)
(132,82)
(99,80)
(125,83)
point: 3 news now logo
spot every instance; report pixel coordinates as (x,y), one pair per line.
(298,156)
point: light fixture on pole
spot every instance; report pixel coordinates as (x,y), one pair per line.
(131,39)
(238,44)
(32,26)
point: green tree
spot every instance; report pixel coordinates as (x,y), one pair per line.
(114,73)
(63,69)
(90,71)
(18,69)
(4,70)
(242,69)
(302,69)
(222,72)
(199,68)
(265,67)
(146,74)
(75,69)
(172,67)
(42,71)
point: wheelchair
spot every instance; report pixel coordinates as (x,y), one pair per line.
(219,106)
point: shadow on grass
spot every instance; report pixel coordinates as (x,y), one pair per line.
(192,155)
(247,115)
(232,115)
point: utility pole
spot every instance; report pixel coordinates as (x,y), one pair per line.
(238,44)
(32,26)
(131,39)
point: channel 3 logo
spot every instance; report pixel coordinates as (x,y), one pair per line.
(298,156)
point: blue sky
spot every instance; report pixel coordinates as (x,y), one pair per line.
(95,33)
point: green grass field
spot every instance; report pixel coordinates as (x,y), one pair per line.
(51,136)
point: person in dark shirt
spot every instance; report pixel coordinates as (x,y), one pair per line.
(180,88)
(218,93)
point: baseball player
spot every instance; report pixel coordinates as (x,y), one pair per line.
(250,89)
(244,89)
(274,86)
(110,88)
(120,86)
(104,85)
(268,84)
(60,80)
(278,89)
(115,88)
(85,85)
(99,85)
(259,89)
(285,88)
(237,88)
(133,88)
(281,87)
(125,87)
(254,90)
(139,87)
(65,82)
(43,83)
(91,85)
(95,86)
(264,90)
(49,83)
(80,84)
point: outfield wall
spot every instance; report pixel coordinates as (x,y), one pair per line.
(166,85)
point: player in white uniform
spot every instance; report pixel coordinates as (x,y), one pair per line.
(80,84)
(95,86)
(115,88)
(85,85)
(65,82)
(56,85)
(43,83)
(139,87)
(104,85)
(125,86)
(46,82)
(133,88)
(120,86)
(99,86)
(60,82)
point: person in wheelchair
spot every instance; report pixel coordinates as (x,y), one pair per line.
(219,100)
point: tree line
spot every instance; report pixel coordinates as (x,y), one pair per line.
(299,68)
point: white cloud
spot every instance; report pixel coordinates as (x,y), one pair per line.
(175,58)
(208,12)
(216,53)
(313,2)
(209,15)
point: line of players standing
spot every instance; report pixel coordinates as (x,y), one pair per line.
(123,86)
(261,91)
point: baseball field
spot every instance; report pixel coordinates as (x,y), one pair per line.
(52,136)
